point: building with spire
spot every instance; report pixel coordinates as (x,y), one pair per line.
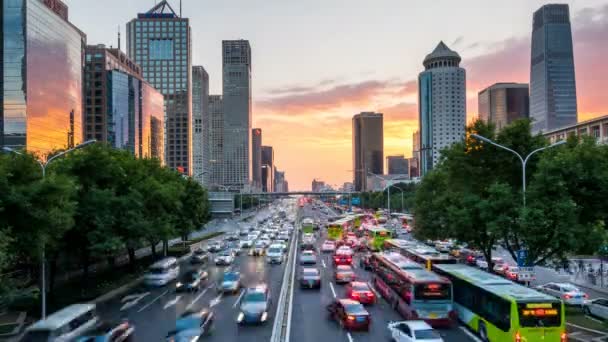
(442,104)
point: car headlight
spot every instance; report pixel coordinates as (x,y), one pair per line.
(179,284)
(264,316)
(240,317)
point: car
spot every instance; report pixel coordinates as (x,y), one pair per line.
(597,307)
(255,305)
(235,247)
(481,263)
(283,237)
(350,314)
(570,294)
(411,331)
(501,268)
(307,245)
(247,243)
(199,256)
(308,257)
(191,325)
(259,249)
(224,258)
(232,237)
(346,250)
(266,242)
(109,332)
(310,277)
(275,254)
(342,259)
(361,292)
(329,246)
(309,236)
(192,280)
(216,246)
(344,274)
(230,283)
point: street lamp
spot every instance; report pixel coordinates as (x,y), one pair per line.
(43,166)
(523,160)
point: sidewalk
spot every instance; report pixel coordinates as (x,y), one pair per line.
(11,323)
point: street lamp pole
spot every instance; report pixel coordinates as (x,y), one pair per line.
(43,166)
(524,161)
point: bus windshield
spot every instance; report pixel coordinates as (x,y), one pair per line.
(532,315)
(433,291)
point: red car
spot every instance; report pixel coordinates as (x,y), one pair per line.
(343,259)
(344,274)
(350,314)
(360,292)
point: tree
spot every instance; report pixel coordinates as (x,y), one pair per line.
(194,209)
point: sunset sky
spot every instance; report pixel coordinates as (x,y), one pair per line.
(316,63)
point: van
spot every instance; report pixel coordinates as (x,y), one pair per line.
(66,324)
(162,272)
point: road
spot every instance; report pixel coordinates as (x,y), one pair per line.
(153,311)
(310,321)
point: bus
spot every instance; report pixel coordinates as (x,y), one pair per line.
(414,292)
(501,310)
(424,255)
(376,237)
(308,225)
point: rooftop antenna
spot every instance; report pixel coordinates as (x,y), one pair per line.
(118,37)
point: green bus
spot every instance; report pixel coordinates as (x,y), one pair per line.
(500,310)
(335,230)
(376,237)
(308,225)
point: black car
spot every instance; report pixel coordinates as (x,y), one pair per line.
(192,281)
(199,256)
(191,325)
(310,277)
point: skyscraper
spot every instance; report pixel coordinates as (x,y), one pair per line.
(552,81)
(200,108)
(414,162)
(236,77)
(368,147)
(256,157)
(267,169)
(41,72)
(442,104)
(397,165)
(215,138)
(159,41)
(503,103)
(279,181)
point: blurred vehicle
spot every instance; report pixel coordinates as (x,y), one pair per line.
(328,246)
(364,261)
(310,278)
(350,314)
(308,258)
(307,244)
(596,307)
(162,272)
(481,263)
(191,325)
(247,243)
(264,241)
(258,250)
(224,258)
(235,247)
(346,250)
(570,294)
(192,280)
(216,246)
(344,274)
(232,237)
(110,332)
(443,246)
(275,254)
(342,258)
(411,331)
(199,256)
(254,305)
(231,282)
(361,292)
(64,325)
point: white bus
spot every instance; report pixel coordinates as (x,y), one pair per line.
(162,272)
(66,324)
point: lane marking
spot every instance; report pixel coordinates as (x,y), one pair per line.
(172,302)
(470,334)
(593,319)
(153,300)
(133,296)
(200,295)
(323,263)
(350,338)
(583,328)
(239,298)
(331,286)
(133,299)
(215,301)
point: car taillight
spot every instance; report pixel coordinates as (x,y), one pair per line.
(585,295)
(517,337)
(349,259)
(563,337)
(336,259)
(567,296)
(355,295)
(369,294)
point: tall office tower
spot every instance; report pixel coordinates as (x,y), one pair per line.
(267,169)
(368,147)
(256,157)
(317,185)
(552,81)
(159,41)
(397,165)
(414,162)
(279,180)
(200,109)
(216,141)
(503,103)
(41,72)
(442,104)
(236,77)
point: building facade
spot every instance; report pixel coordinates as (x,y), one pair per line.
(597,128)
(279,181)
(159,41)
(552,79)
(200,109)
(368,147)
(216,140)
(267,169)
(503,103)
(414,162)
(397,165)
(256,157)
(442,104)
(317,185)
(236,79)
(42,77)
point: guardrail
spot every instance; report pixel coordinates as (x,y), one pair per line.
(281,328)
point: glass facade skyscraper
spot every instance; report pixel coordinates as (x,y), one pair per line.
(42,59)
(200,114)
(159,41)
(552,79)
(368,147)
(503,103)
(216,139)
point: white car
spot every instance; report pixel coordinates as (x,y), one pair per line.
(225,258)
(274,254)
(410,331)
(570,294)
(328,246)
(265,242)
(344,250)
(597,307)
(246,243)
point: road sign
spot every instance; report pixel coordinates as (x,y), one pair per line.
(356,201)
(522,256)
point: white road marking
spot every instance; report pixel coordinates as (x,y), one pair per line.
(200,295)
(593,319)
(132,300)
(331,286)
(153,300)
(172,302)
(239,298)
(133,296)
(470,334)
(215,301)
(350,338)
(587,329)
(323,263)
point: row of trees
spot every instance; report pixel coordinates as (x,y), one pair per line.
(402,198)
(474,195)
(94,204)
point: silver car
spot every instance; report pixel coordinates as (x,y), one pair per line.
(570,294)
(596,307)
